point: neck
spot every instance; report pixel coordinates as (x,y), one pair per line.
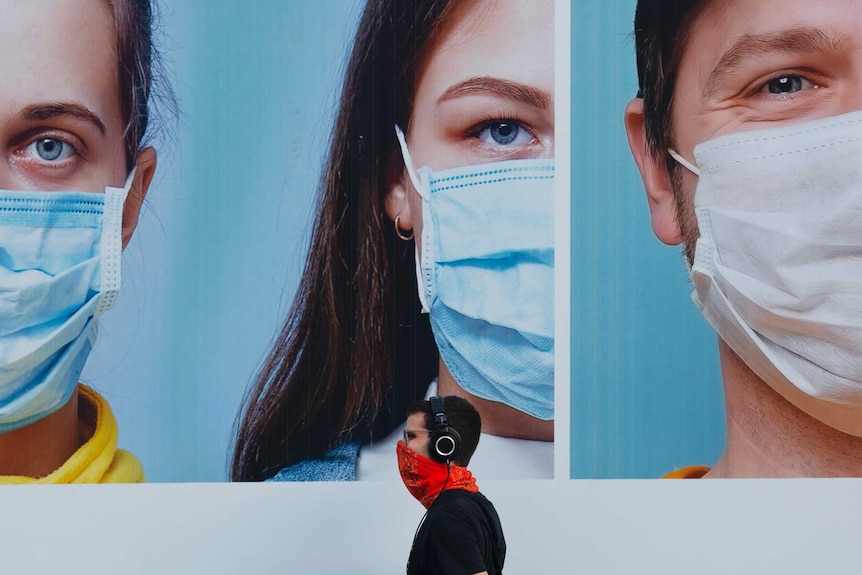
(767,436)
(497,418)
(38,449)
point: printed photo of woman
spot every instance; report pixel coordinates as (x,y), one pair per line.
(74,119)
(431,264)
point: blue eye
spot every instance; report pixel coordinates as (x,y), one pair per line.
(504,133)
(787,84)
(50,149)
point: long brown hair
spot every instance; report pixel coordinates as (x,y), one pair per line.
(354,350)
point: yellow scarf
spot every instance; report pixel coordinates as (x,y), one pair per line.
(97,460)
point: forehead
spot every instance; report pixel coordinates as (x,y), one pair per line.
(416,421)
(57,50)
(719,25)
(511,39)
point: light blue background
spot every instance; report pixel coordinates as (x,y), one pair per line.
(646,395)
(219,247)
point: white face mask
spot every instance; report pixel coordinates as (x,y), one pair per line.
(778,265)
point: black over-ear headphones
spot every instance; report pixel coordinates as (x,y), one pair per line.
(445,441)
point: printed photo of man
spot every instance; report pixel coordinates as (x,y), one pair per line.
(747,132)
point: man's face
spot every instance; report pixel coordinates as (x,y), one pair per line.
(752,64)
(416,436)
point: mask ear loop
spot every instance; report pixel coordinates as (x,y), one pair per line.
(683,162)
(421,281)
(408,163)
(696,171)
(112,244)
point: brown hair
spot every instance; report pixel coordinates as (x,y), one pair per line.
(354,350)
(660,31)
(140,78)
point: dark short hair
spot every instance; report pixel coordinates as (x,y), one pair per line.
(461,416)
(661,27)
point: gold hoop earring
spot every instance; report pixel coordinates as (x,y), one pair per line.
(399,233)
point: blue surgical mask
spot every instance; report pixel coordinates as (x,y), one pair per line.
(486,277)
(59,269)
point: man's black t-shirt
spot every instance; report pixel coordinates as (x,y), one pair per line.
(461,535)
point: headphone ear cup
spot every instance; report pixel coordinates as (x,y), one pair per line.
(445,444)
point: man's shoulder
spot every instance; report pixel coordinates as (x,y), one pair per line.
(465,522)
(458,496)
(461,504)
(459,493)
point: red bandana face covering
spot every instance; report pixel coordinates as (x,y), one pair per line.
(425,479)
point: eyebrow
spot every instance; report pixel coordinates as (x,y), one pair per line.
(506,88)
(38,112)
(793,41)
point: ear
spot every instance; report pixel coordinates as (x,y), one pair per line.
(655,176)
(146,167)
(398,191)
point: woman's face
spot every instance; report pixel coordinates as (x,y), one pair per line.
(485,94)
(61,122)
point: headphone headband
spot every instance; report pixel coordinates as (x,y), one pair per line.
(438,408)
